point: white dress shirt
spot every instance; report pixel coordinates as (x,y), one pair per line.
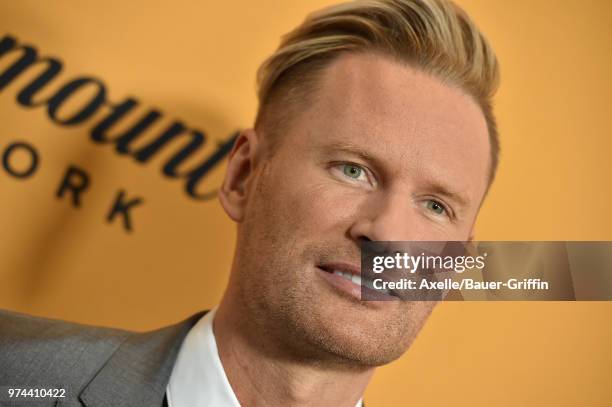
(198,378)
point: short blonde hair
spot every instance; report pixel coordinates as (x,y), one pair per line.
(435,36)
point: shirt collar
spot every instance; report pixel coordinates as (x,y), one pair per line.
(198,378)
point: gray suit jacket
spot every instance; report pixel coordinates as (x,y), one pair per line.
(98,367)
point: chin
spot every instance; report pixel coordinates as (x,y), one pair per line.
(364,350)
(345,338)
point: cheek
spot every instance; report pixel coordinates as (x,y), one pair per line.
(323,207)
(309,202)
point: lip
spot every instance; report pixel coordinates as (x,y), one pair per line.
(344,267)
(340,283)
(351,289)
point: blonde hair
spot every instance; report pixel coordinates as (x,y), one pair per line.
(435,36)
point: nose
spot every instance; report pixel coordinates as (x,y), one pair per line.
(389,217)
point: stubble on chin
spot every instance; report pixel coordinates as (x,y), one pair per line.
(303,320)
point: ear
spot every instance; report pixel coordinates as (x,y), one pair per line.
(234,190)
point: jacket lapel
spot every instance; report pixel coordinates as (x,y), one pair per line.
(138,372)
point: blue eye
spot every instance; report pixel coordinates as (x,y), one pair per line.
(353,174)
(435,207)
(352,171)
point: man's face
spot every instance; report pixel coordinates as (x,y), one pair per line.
(382,152)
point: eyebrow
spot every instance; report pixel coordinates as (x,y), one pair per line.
(449,194)
(433,185)
(350,148)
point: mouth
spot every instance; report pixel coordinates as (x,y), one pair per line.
(347,272)
(347,277)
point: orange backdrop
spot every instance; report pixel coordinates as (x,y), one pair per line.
(195,62)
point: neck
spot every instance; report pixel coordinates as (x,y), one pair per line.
(261,373)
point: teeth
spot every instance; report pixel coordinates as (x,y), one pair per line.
(356,279)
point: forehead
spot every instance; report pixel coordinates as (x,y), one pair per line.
(411,119)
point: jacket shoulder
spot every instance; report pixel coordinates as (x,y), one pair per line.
(44,352)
